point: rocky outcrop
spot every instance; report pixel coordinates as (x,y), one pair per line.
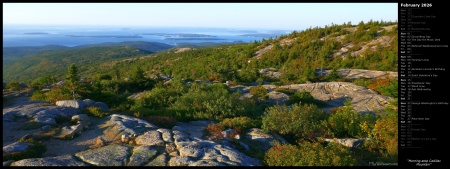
(270,73)
(335,93)
(363,99)
(66,160)
(368,74)
(277,98)
(263,50)
(118,125)
(184,145)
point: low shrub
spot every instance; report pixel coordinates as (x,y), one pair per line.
(259,92)
(300,120)
(305,97)
(95,111)
(346,122)
(309,154)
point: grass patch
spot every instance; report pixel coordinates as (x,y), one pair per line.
(95,111)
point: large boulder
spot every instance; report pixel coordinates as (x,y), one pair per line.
(78,104)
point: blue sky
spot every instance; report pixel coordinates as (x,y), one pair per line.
(287,16)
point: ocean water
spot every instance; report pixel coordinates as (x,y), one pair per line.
(39,35)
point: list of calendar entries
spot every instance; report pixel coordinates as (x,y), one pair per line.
(422,71)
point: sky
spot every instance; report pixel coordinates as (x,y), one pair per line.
(285,16)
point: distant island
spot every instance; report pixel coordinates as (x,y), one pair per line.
(36,33)
(187,35)
(106,36)
(264,35)
(194,39)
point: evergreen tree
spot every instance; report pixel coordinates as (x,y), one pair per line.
(72,79)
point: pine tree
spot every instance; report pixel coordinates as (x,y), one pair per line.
(73,80)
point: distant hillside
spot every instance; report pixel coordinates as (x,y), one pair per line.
(55,62)
(145,46)
(14,53)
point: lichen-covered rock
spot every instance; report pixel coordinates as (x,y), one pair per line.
(180,161)
(111,155)
(78,104)
(166,134)
(161,160)
(142,154)
(66,160)
(117,125)
(150,138)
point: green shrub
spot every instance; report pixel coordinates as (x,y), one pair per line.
(259,92)
(309,154)
(300,120)
(38,95)
(96,112)
(386,132)
(54,95)
(346,122)
(209,102)
(332,76)
(304,97)
(285,90)
(13,86)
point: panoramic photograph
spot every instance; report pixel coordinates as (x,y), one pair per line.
(200,84)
